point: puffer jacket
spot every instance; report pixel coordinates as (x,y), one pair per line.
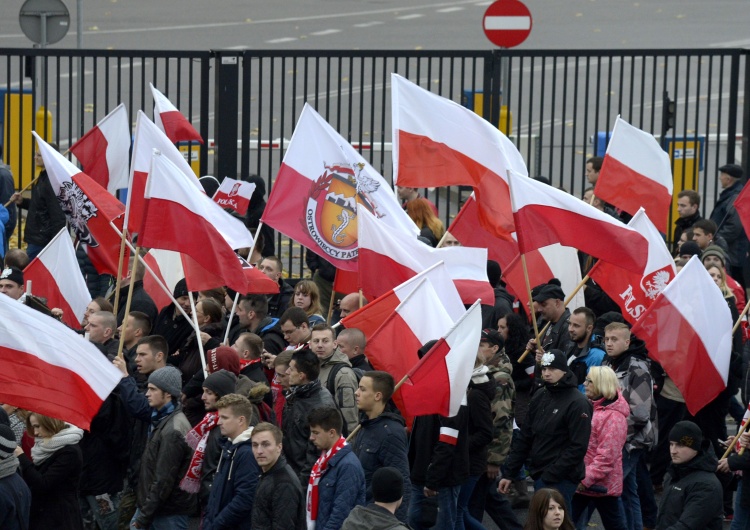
(340,489)
(300,452)
(372,517)
(555,435)
(279,500)
(230,504)
(165,461)
(603,460)
(637,385)
(381,442)
(692,497)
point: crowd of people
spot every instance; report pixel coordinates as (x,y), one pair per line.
(290,427)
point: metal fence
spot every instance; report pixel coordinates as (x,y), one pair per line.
(556,105)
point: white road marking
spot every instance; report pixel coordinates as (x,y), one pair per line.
(450,9)
(280,40)
(326,32)
(368,24)
(410,17)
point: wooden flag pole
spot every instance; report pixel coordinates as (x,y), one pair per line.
(231,316)
(359,426)
(127,303)
(24,189)
(442,239)
(739,320)
(330,302)
(118,282)
(197,333)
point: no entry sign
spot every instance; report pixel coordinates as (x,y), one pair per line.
(507,23)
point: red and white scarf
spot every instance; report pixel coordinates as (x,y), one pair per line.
(196,438)
(244,363)
(312,486)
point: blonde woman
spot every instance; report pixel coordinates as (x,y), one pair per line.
(53,473)
(602,486)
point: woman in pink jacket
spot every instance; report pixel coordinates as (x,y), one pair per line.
(602,486)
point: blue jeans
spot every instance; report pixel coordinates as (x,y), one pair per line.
(447,499)
(565,487)
(630,500)
(164,522)
(463,517)
(741,520)
(609,508)
(32,250)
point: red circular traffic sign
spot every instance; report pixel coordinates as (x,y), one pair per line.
(507,23)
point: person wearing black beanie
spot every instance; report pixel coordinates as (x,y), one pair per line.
(387,494)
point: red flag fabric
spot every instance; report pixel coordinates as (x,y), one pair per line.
(322,183)
(397,257)
(56,276)
(104,151)
(171,121)
(545,215)
(636,173)
(742,205)
(88,207)
(438,383)
(49,368)
(174,209)
(688,330)
(393,347)
(371,316)
(437,142)
(234,194)
(345,282)
(634,292)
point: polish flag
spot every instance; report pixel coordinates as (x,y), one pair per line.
(634,293)
(437,142)
(545,215)
(688,330)
(171,121)
(393,347)
(174,210)
(437,383)
(55,275)
(553,261)
(49,368)
(167,267)
(636,173)
(320,187)
(234,194)
(88,207)
(397,257)
(370,317)
(104,151)
(147,138)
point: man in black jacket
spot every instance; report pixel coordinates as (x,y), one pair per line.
(728,221)
(279,500)
(692,493)
(45,216)
(555,436)
(688,209)
(439,459)
(172,325)
(252,315)
(272,267)
(381,440)
(305,394)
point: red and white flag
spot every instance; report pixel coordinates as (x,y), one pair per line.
(393,347)
(171,121)
(397,257)
(174,210)
(371,316)
(55,275)
(88,207)
(167,267)
(636,173)
(545,215)
(635,292)
(49,368)
(234,194)
(322,187)
(688,330)
(437,383)
(437,142)
(104,151)
(147,138)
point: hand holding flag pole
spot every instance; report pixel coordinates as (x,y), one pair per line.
(739,320)
(734,441)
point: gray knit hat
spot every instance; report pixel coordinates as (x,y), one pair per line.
(7,442)
(167,379)
(221,383)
